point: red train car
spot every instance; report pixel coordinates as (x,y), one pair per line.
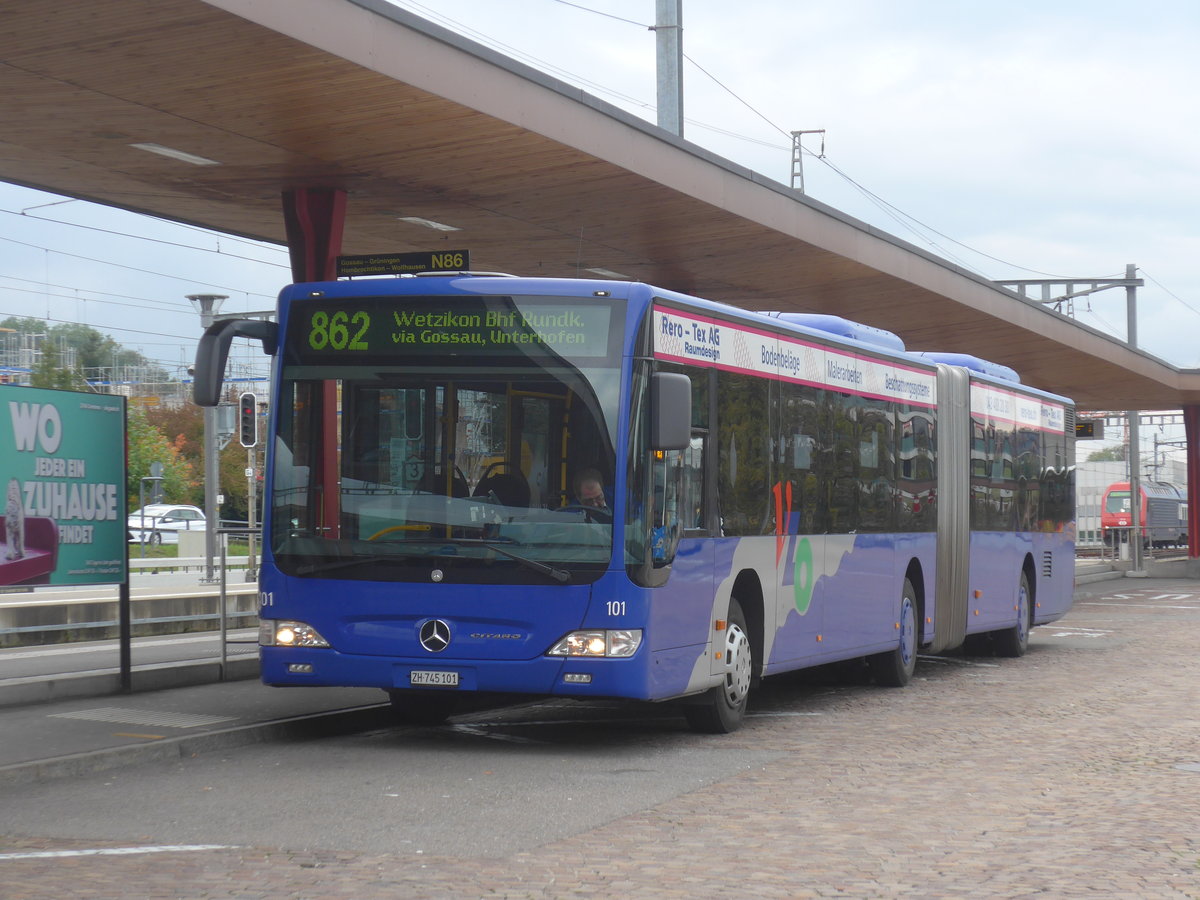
(1163,511)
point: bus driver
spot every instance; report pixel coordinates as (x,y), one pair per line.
(589,490)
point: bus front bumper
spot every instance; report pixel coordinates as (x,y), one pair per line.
(546,676)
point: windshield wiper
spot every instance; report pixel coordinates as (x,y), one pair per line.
(562,576)
(332,565)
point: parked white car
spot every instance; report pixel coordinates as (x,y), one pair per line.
(160,523)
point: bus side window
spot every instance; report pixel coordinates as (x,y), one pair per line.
(678,499)
(665,527)
(692,503)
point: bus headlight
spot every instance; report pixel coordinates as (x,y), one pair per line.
(601,642)
(285,633)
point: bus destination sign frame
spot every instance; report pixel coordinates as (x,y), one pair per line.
(404,263)
(374,330)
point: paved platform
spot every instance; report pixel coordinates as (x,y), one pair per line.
(91,734)
(1074,772)
(60,725)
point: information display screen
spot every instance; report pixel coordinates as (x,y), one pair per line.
(378,329)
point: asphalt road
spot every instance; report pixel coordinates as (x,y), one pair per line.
(1072,772)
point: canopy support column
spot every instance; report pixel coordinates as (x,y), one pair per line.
(315,219)
(1191,434)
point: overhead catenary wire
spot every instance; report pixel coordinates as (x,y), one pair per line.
(1168,291)
(107,262)
(918,229)
(169,306)
(602,13)
(153,240)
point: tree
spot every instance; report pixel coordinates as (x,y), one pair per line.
(93,349)
(183,428)
(147,445)
(1108,454)
(234,487)
(51,373)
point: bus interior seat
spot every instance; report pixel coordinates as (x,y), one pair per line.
(510,488)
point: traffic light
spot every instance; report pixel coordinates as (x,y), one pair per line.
(248,420)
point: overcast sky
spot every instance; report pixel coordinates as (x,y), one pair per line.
(1025,139)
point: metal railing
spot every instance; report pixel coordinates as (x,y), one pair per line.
(1118,546)
(223,535)
(181,564)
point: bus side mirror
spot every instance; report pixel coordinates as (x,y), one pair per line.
(213,352)
(670,411)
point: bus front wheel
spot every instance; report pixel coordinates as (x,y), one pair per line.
(422,707)
(894,668)
(721,709)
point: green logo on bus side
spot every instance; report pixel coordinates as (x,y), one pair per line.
(802,575)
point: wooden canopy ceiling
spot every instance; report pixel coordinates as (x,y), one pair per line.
(414,121)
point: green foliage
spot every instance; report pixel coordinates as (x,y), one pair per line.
(1108,454)
(147,445)
(50,372)
(183,428)
(94,349)
(232,472)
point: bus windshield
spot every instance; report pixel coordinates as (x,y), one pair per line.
(457,468)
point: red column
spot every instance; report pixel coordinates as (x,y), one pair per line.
(1191,433)
(315,219)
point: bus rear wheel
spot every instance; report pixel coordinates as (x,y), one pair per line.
(422,707)
(722,709)
(894,668)
(1014,641)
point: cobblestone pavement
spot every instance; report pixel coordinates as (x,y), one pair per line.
(1073,772)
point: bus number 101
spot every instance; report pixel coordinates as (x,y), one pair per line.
(616,607)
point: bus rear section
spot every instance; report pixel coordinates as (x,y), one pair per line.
(1022,500)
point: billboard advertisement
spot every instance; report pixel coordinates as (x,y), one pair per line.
(62,474)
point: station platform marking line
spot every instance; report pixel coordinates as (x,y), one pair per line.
(142,717)
(1126,604)
(1080,632)
(113,851)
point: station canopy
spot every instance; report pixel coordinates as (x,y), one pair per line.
(416,123)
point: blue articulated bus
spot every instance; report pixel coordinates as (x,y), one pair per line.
(598,489)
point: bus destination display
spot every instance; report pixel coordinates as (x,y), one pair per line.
(381,327)
(403,263)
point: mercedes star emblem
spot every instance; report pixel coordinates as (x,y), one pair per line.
(435,635)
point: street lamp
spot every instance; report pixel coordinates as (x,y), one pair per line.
(208,305)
